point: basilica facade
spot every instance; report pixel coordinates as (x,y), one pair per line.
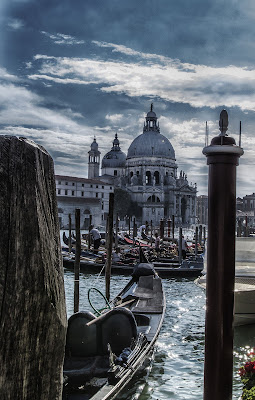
(148,172)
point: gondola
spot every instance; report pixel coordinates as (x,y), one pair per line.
(103,353)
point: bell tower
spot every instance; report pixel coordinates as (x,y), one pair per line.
(94,160)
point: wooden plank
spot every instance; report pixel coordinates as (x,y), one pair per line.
(32,302)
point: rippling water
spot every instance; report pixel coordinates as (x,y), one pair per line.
(177,371)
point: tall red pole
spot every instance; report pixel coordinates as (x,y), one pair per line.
(222,158)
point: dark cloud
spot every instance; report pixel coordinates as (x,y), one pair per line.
(209,32)
(213,33)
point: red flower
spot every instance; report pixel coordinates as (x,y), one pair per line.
(250,366)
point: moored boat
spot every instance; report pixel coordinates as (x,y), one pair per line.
(104,353)
(244,293)
(189,267)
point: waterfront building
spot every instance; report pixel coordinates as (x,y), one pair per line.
(90,195)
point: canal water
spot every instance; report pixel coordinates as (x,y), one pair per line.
(177,370)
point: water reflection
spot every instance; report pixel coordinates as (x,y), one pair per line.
(177,371)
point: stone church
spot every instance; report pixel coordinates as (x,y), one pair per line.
(148,173)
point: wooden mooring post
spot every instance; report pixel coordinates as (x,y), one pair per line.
(196,240)
(180,246)
(32,301)
(116,230)
(70,233)
(77,259)
(168,227)
(109,247)
(89,236)
(222,158)
(161,228)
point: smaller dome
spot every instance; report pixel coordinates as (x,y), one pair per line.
(115,158)
(151,114)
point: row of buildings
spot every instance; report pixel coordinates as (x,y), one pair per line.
(147,173)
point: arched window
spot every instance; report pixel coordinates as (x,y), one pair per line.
(156,177)
(153,199)
(148,178)
(87,211)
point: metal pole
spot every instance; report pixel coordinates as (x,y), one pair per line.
(109,247)
(222,158)
(77,260)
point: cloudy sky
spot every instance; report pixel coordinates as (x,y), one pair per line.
(72,69)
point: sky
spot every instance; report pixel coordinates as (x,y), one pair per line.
(74,69)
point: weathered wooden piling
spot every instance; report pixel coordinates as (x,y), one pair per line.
(77,260)
(222,158)
(32,302)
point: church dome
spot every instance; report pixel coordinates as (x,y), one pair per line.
(151,142)
(115,157)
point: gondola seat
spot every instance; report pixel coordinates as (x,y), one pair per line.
(116,327)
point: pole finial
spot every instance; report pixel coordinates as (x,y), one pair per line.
(151,106)
(223,122)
